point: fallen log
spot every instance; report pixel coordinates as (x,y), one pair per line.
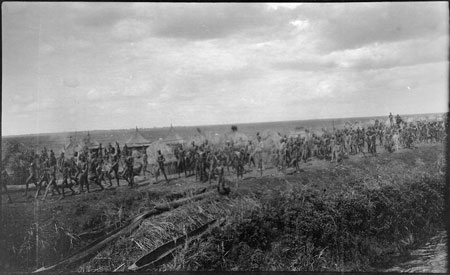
(187,193)
(170,205)
(164,252)
(100,232)
(90,250)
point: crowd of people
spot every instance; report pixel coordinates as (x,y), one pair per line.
(83,168)
(209,162)
(353,140)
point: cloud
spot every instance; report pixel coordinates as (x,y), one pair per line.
(300,24)
(393,54)
(23,99)
(305,65)
(93,94)
(71,82)
(206,21)
(139,88)
(99,15)
(46,49)
(234,62)
(348,26)
(77,43)
(129,30)
(373,56)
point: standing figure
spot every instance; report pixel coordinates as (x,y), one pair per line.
(61,161)
(84,174)
(240,163)
(205,164)
(220,171)
(391,119)
(67,180)
(213,163)
(74,171)
(5,179)
(129,173)
(93,172)
(103,171)
(298,157)
(398,120)
(374,143)
(115,168)
(125,150)
(258,154)
(333,148)
(178,161)
(182,164)
(44,176)
(197,154)
(251,155)
(161,161)
(32,178)
(396,140)
(52,184)
(199,169)
(369,140)
(145,163)
(380,135)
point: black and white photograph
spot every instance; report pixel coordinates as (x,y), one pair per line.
(157,137)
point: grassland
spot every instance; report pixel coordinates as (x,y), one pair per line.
(357,215)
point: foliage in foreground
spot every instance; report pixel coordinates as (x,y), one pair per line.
(313,230)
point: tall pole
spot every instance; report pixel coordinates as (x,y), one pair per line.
(36,210)
(36,219)
(2,226)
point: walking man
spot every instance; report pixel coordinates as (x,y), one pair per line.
(129,173)
(93,172)
(67,180)
(84,177)
(115,168)
(32,178)
(52,183)
(145,163)
(391,119)
(161,161)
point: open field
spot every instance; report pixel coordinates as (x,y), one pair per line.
(362,214)
(56,141)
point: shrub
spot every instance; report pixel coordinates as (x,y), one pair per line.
(313,231)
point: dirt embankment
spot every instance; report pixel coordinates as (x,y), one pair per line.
(313,209)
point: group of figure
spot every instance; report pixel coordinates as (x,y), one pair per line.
(203,159)
(209,162)
(336,145)
(56,174)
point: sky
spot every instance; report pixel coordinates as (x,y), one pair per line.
(83,66)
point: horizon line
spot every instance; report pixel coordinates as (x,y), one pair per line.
(208,125)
